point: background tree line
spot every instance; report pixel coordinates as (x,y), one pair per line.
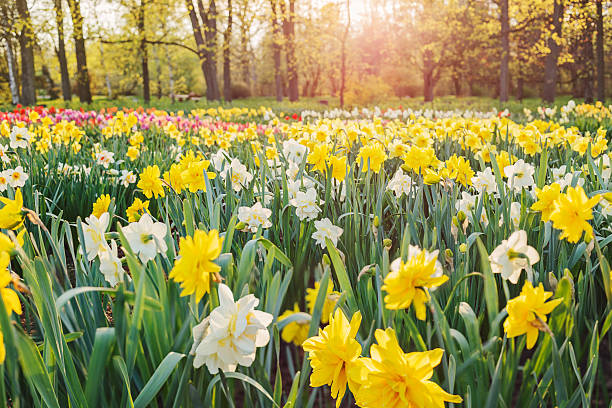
(362,51)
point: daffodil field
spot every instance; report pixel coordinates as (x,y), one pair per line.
(247,258)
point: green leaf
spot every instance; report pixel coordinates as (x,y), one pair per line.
(34,369)
(100,356)
(158,379)
(343,278)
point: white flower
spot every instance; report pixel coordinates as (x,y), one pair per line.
(94,229)
(325,229)
(400,183)
(110,265)
(17,177)
(484,181)
(512,256)
(520,174)
(467,204)
(294,151)
(230,335)
(20,137)
(292,171)
(515,215)
(127,178)
(240,177)
(568,180)
(254,217)
(3,155)
(219,159)
(4,180)
(105,158)
(146,237)
(306,204)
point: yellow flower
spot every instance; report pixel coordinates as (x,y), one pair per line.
(7,245)
(330,300)
(150,183)
(460,170)
(133,153)
(374,154)
(295,332)
(318,157)
(2,349)
(101,205)
(333,353)
(527,312)
(394,379)
(408,282)
(503,160)
(174,178)
(9,296)
(419,158)
(193,176)
(338,165)
(11,215)
(572,211)
(195,263)
(135,211)
(546,200)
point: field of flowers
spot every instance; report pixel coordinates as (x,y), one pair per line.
(247,258)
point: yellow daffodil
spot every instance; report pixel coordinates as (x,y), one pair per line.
(527,313)
(9,296)
(295,332)
(330,300)
(195,263)
(572,212)
(408,282)
(391,378)
(137,209)
(101,205)
(333,353)
(11,215)
(150,183)
(546,200)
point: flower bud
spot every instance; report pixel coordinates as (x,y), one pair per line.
(387,243)
(463,248)
(376,221)
(448,253)
(461,216)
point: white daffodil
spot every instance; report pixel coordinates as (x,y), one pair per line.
(294,151)
(305,204)
(19,137)
(230,335)
(512,256)
(238,174)
(400,183)
(146,237)
(110,265)
(94,229)
(484,181)
(105,158)
(520,174)
(127,178)
(3,156)
(16,177)
(254,217)
(325,229)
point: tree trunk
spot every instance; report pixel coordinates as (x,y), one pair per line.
(292,73)
(601,73)
(551,70)
(203,54)
(209,22)
(343,52)
(61,51)
(276,50)
(520,87)
(10,60)
(26,45)
(144,53)
(227,74)
(79,48)
(457,84)
(504,70)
